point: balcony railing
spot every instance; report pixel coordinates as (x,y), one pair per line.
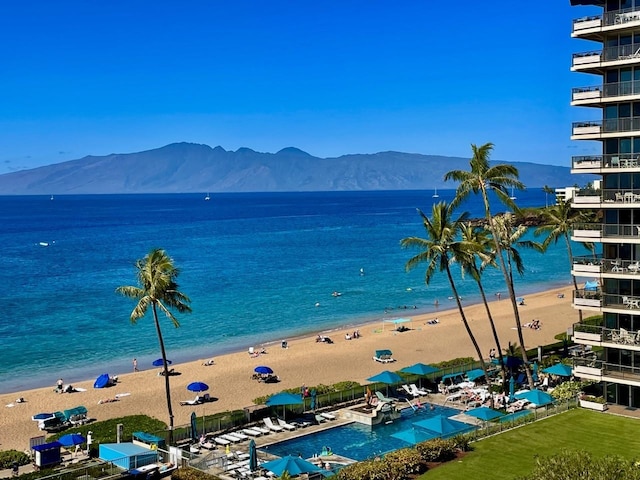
(595,299)
(608,90)
(592,265)
(618,17)
(611,125)
(616,160)
(600,368)
(608,54)
(596,333)
(587,298)
(605,230)
(610,195)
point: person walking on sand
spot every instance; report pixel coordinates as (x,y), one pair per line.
(135,364)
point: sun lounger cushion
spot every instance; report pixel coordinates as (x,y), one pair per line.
(285,425)
(251,432)
(328,416)
(221,441)
(271,426)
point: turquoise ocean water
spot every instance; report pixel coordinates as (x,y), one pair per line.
(255,266)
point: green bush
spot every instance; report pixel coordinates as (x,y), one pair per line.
(437,450)
(569,390)
(369,470)
(407,461)
(456,362)
(191,474)
(462,442)
(7,457)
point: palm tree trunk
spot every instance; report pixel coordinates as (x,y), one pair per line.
(503,368)
(512,294)
(468,328)
(166,372)
(573,277)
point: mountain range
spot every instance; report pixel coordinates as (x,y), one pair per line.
(189,167)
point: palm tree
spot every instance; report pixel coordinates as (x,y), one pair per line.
(481,179)
(157,288)
(559,221)
(482,251)
(437,251)
(547,191)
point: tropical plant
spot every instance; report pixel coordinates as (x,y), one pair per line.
(156,275)
(581,465)
(559,221)
(437,251)
(481,179)
(482,251)
(547,191)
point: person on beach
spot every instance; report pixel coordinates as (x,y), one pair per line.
(59,386)
(135,364)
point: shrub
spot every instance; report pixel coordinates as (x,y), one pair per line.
(462,442)
(348,385)
(407,461)
(369,470)
(7,457)
(190,474)
(568,390)
(437,450)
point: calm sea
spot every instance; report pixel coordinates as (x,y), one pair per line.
(255,266)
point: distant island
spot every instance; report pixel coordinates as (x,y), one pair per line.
(190,168)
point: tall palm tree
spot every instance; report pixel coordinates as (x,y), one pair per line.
(547,191)
(437,250)
(481,179)
(158,289)
(482,245)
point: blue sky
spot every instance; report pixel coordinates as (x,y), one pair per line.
(82,77)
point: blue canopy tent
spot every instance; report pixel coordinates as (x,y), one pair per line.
(102,381)
(559,369)
(396,322)
(474,374)
(591,286)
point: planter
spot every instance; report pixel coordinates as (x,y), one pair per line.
(600,407)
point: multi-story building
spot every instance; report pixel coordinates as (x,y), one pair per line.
(611,62)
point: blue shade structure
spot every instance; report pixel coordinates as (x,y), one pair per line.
(538,397)
(71,439)
(559,369)
(484,413)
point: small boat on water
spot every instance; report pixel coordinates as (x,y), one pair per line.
(43,244)
(207,197)
(435,193)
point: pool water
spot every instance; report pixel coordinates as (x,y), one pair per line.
(357,441)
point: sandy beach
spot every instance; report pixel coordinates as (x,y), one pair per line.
(303,362)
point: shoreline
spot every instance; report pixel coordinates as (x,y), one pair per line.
(121,366)
(304,362)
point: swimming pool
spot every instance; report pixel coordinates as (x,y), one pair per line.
(357,441)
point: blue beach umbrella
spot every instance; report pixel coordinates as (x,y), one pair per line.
(197,387)
(413,435)
(160,363)
(559,369)
(253,456)
(263,370)
(442,425)
(71,439)
(290,464)
(284,399)
(537,397)
(420,369)
(484,413)
(102,381)
(387,377)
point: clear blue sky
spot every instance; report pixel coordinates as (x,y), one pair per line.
(82,77)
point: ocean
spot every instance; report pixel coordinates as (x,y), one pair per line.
(258,267)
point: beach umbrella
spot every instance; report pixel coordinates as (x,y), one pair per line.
(197,387)
(194,427)
(284,399)
(102,381)
(292,465)
(484,413)
(474,374)
(420,369)
(314,400)
(534,373)
(160,363)
(537,397)
(253,456)
(512,388)
(263,370)
(386,377)
(413,435)
(559,369)
(71,439)
(442,425)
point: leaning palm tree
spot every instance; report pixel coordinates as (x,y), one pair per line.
(437,250)
(158,289)
(482,245)
(559,221)
(481,179)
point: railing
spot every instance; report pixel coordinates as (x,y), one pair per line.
(607,230)
(608,54)
(615,160)
(617,17)
(610,125)
(608,90)
(621,372)
(597,264)
(619,336)
(611,195)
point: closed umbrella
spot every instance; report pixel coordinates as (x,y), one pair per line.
(512,388)
(194,427)
(314,400)
(253,456)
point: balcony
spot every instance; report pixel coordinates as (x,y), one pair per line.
(596,301)
(587,197)
(593,26)
(595,60)
(587,300)
(594,265)
(606,232)
(610,372)
(599,336)
(609,92)
(613,198)
(610,163)
(609,128)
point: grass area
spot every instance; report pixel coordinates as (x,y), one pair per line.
(512,454)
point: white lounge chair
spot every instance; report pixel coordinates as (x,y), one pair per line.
(271,426)
(240,435)
(285,425)
(263,431)
(419,391)
(221,441)
(320,419)
(252,432)
(231,437)
(409,391)
(328,416)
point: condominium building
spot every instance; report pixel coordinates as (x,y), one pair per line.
(609,64)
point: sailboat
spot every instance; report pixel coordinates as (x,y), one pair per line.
(512,197)
(207,197)
(51,197)
(435,193)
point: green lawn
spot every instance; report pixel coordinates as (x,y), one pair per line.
(511,454)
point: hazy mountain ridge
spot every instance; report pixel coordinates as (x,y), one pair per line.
(188,167)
